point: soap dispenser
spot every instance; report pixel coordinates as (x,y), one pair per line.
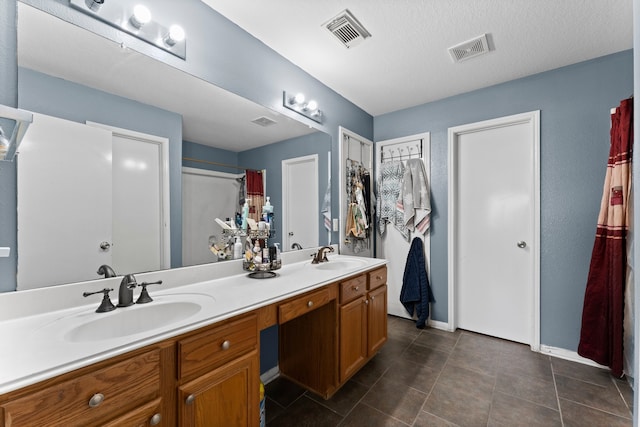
(267,210)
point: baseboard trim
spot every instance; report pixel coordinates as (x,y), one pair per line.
(565,354)
(270,375)
(436,324)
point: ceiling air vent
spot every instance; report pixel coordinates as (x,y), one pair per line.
(469,49)
(264,121)
(347,29)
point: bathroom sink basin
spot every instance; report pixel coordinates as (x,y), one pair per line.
(122,322)
(343,264)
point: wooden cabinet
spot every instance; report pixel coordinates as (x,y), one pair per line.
(363,320)
(126,390)
(219,375)
(210,377)
(226,396)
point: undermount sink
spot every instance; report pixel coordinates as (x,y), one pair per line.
(342,264)
(122,322)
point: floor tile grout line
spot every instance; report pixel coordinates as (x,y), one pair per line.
(598,409)
(555,387)
(615,383)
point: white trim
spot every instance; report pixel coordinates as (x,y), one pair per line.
(565,354)
(444,326)
(207,172)
(342,185)
(534,118)
(270,375)
(164,181)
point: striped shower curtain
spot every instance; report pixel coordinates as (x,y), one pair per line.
(601,336)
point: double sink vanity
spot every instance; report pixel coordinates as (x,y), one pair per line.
(191,356)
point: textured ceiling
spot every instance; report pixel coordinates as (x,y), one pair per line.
(406,62)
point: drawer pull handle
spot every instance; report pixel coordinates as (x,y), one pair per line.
(356,288)
(96,400)
(226,345)
(155,420)
(310,304)
(372,298)
(190,399)
(366,301)
(378,277)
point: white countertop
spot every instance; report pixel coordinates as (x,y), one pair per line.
(34,325)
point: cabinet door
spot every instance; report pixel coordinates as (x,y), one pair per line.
(377,320)
(353,336)
(225,397)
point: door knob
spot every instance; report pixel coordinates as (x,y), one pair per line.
(105,245)
(291,233)
(522,244)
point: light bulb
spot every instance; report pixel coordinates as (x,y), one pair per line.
(312,105)
(141,16)
(176,34)
(299,98)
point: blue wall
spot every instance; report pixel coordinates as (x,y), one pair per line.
(574,103)
(270,157)
(210,154)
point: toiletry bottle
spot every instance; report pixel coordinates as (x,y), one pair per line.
(245,214)
(237,249)
(277,251)
(266,210)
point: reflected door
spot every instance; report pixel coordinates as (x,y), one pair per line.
(64,202)
(300,206)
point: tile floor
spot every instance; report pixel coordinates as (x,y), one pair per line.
(435,378)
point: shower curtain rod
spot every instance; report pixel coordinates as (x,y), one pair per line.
(191,159)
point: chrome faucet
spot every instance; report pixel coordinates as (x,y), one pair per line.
(125,294)
(321,256)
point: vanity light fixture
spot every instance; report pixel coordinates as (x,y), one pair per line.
(136,21)
(299,104)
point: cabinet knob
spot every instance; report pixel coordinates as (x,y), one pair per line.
(190,399)
(155,420)
(225,345)
(378,277)
(366,301)
(310,304)
(372,297)
(96,400)
(356,288)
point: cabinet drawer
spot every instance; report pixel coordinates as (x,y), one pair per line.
(303,305)
(216,346)
(377,278)
(353,288)
(123,386)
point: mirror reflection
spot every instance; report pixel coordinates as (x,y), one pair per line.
(212,140)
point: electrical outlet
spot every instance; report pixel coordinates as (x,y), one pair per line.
(336,224)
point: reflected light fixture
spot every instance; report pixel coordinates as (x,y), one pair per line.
(299,104)
(175,35)
(136,21)
(141,16)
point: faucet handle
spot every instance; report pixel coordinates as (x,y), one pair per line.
(144,295)
(106,304)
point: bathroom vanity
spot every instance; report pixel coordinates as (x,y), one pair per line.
(204,369)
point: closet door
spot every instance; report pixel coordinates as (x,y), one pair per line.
(64,202)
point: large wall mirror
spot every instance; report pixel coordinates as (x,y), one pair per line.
(70,73)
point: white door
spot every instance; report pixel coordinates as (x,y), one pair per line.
(300,210)
(140,203)
(206,195)
(64,202)
(353,148)
(392,246)
(493,227)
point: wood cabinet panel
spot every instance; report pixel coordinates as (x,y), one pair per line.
(123,386)
(353,288)
(227,396)
(353,337)
(377,320)
(303,305)
(377,278)
(216,346)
